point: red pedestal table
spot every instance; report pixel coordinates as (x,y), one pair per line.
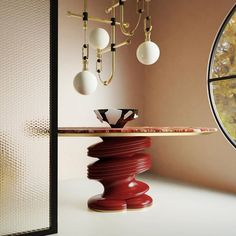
(120,158)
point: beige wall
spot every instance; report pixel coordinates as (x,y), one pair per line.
(77,110)
(176,93)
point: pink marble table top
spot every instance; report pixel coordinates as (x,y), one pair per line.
(133,131)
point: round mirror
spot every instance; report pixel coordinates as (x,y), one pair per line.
(222,77)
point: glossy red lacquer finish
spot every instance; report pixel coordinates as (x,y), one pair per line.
(120,159)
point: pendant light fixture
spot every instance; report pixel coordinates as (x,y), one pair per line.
(85,82)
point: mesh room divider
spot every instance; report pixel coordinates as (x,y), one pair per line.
(28,117)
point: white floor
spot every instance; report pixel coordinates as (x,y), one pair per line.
(178,210)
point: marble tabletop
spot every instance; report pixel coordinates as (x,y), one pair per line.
(133,131)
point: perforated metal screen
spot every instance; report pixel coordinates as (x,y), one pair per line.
(26,148)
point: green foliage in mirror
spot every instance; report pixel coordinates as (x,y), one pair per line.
(224,93)
(224,62)
(222,77)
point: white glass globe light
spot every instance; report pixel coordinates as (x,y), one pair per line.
(99,38)
(85,82)
(148,53)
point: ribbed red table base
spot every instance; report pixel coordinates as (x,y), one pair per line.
(120,160)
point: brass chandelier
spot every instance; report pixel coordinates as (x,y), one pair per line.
(85,82)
